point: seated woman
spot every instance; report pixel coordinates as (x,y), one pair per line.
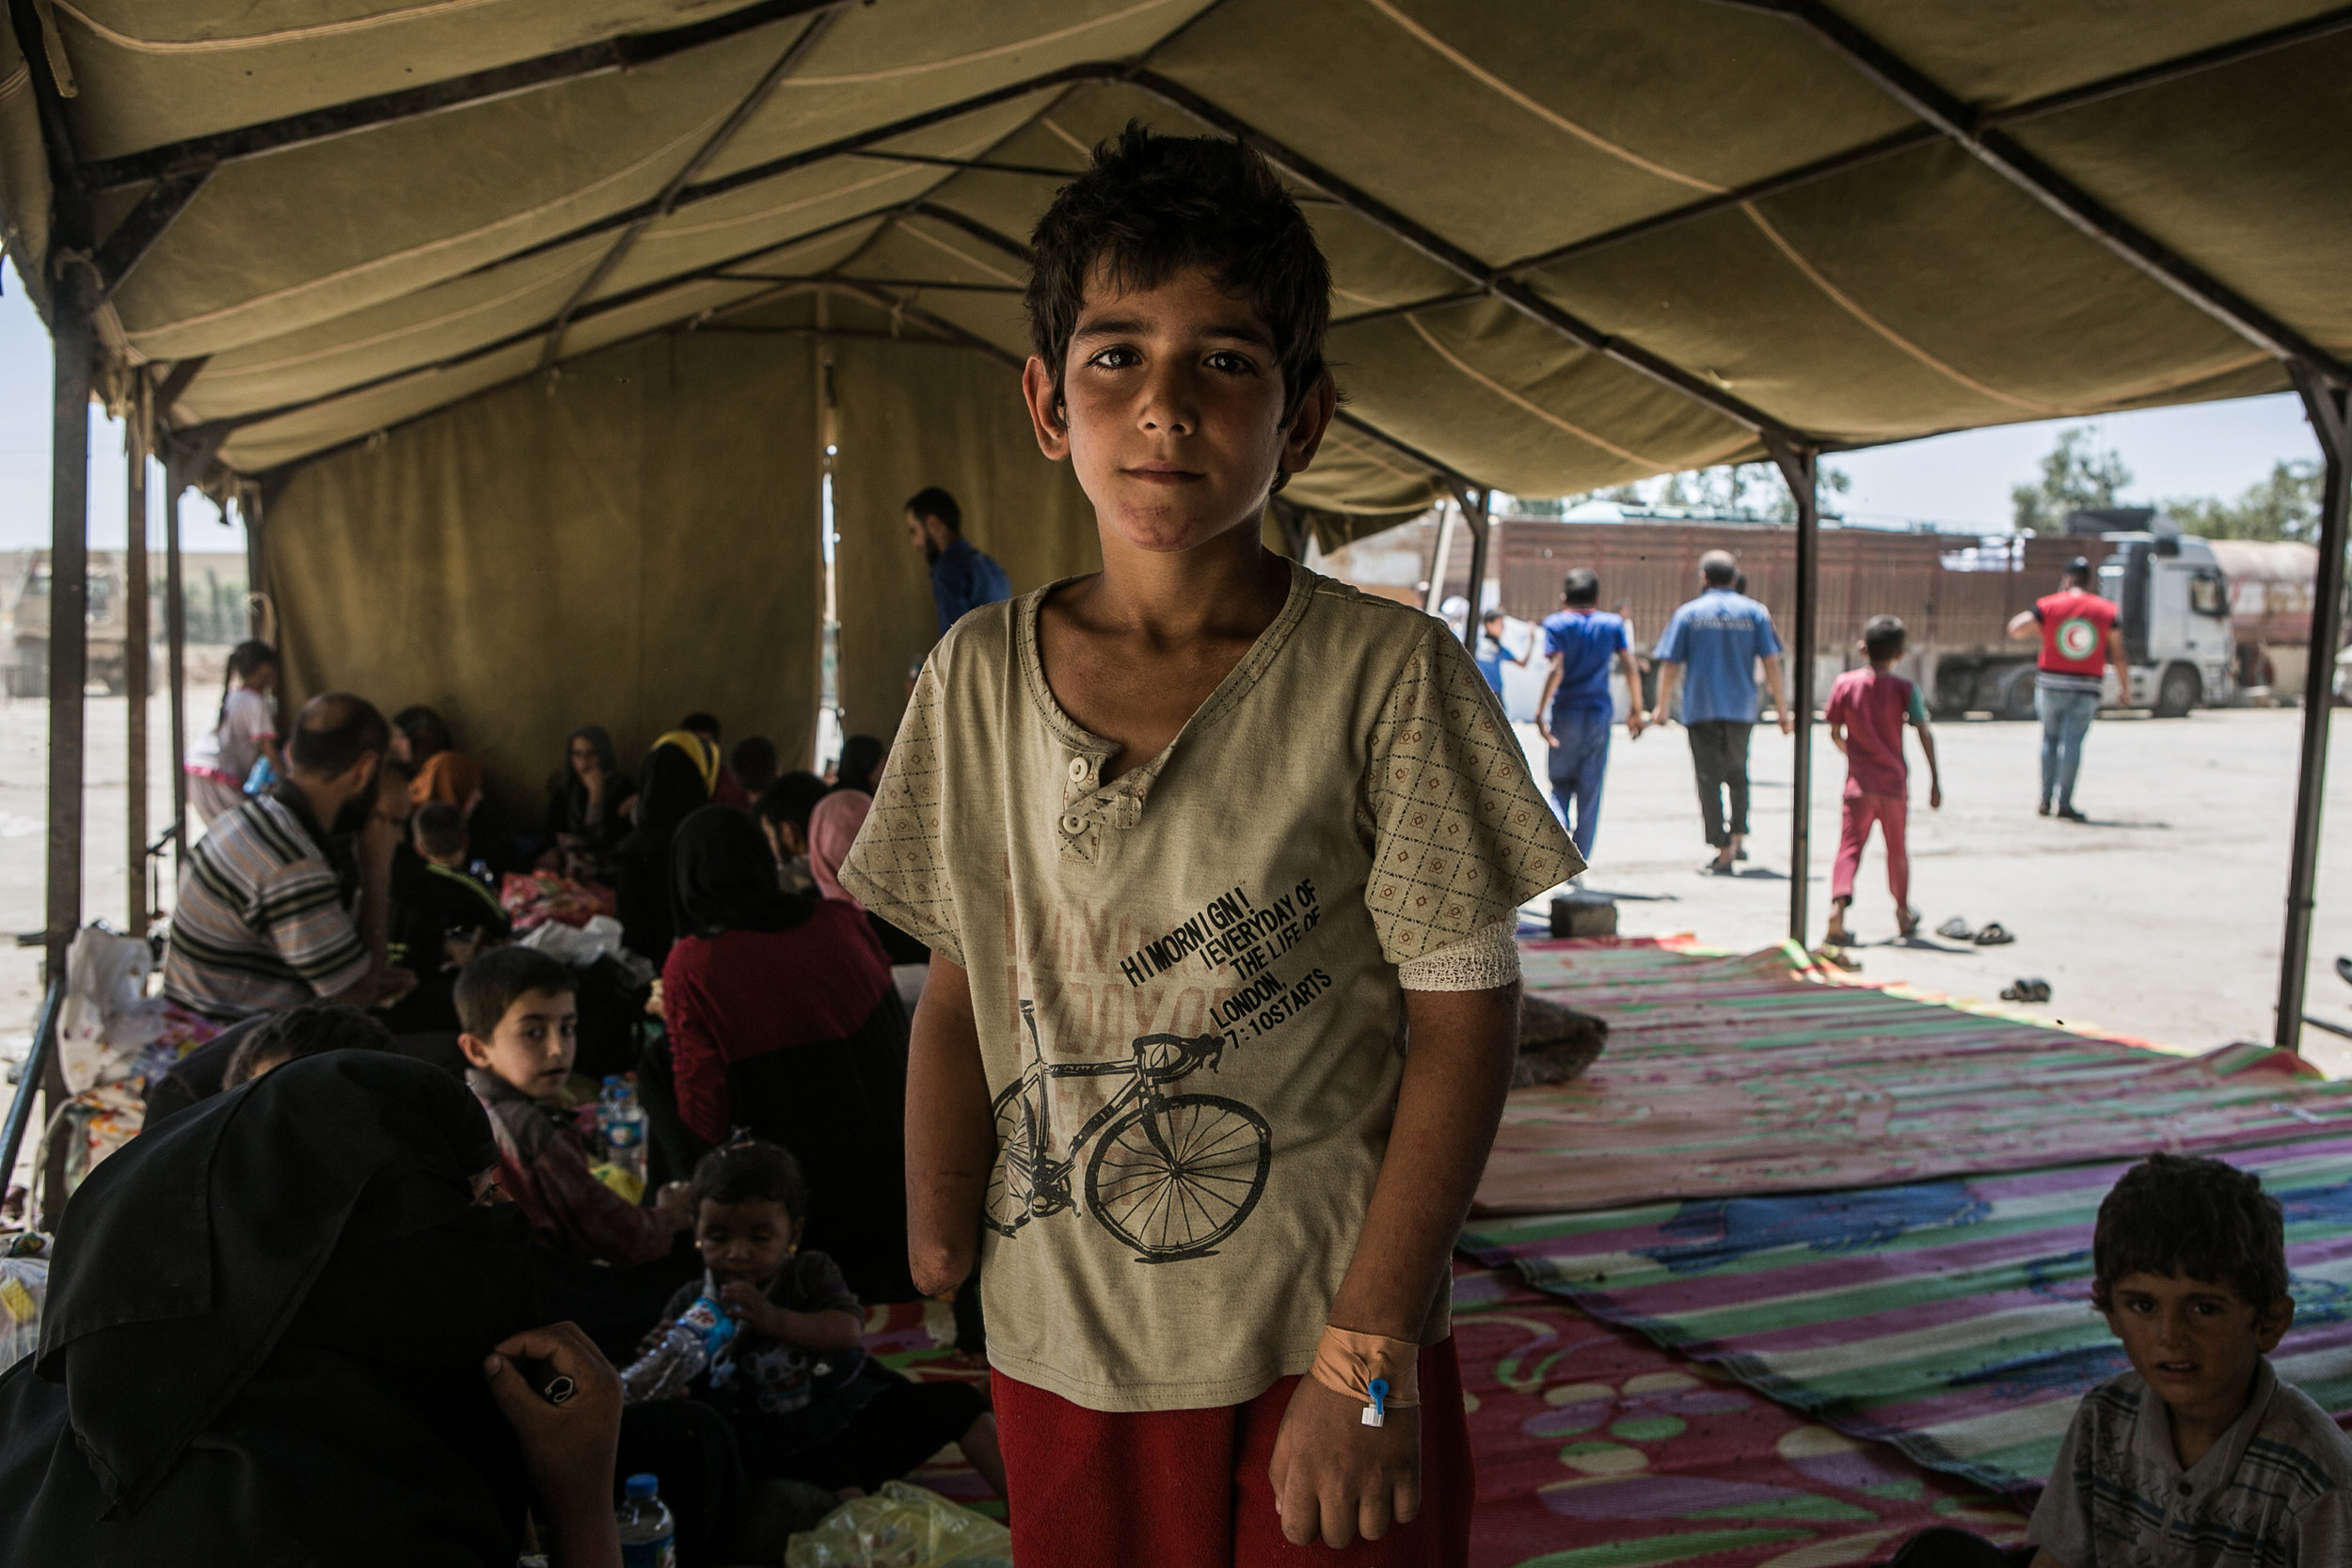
(783,1020)
(437,771)
(588,806)
(833,827)
(286,1328)
(677,779)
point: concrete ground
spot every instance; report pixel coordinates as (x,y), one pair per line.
(2160,918)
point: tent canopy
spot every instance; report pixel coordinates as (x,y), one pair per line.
(1573,244)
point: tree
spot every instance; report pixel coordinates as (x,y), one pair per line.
(2283,506)
(2076,474)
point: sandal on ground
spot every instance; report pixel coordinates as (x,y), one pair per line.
(1907,923)
(2344,971)
(1994,935)
(2026,989)
(1957,929)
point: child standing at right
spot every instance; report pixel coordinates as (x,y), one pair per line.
(1867,711)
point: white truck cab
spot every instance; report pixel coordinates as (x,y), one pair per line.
(2173,611)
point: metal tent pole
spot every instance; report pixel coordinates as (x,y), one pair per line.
(1440,556)
(1475,499)
(138,651)
(176,667)
(69,610)
(2326,405)
(1800,466)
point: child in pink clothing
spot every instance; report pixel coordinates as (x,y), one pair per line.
(1867,710)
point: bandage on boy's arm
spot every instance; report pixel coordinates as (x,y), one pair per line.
(1348,1363)
(951,1135)
(1464,1044)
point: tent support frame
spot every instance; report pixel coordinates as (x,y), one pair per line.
(2008,158)
(176,665)
(1799,466)
(1474,500)
(2331,422)
(137,652)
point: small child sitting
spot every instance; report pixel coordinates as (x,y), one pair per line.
(2199,1457)
(443,913)
(1866,714)
(804,1398)
(521,1013)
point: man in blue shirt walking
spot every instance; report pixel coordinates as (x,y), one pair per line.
(1578,710)
(1711,646)
(963,579)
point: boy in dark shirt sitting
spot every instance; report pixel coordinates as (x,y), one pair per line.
(802,1396)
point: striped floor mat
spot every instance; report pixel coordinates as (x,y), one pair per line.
(1595,1449)
(1762,1072)
(1950,1318)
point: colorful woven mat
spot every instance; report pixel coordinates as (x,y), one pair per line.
(1950,1318)
(1764,1072)
(1597,1450)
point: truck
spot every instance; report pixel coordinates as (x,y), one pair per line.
(27,628)
(2181,613)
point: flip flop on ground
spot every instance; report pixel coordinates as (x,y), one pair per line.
(1957,929)
(1994,935)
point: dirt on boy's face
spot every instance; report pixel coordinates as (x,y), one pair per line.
(1172,411)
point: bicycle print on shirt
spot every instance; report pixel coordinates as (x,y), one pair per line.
(1172,1175)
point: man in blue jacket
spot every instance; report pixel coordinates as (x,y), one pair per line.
(1711,648)
(963,579)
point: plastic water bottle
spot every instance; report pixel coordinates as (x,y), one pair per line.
(621,1124)
(683,1352)
(648,1539)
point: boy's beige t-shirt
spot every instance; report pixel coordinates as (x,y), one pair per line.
(1186,979)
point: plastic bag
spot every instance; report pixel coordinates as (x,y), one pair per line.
(105,977)
(24,1287)
(902,1526)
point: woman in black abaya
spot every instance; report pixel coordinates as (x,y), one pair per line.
(269,1342)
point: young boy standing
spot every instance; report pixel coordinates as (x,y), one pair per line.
(1867,711)
(1204,810)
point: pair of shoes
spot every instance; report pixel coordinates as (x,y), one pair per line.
(2026,989)
(2068,813)
(2042,810)
(1994,935)
(1957,930)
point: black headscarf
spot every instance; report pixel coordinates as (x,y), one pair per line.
(270,1314)
(861,760)
(670,787)
(724,878)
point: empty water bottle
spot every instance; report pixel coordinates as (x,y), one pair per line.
(648,1540)
(683,1351)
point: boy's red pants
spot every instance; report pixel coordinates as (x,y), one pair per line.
(1888,811)
(1188,1488)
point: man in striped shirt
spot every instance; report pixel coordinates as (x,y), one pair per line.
(266,917)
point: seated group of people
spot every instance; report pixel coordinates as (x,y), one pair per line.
(333,915)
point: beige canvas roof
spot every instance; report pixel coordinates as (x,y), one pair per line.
(1573,243)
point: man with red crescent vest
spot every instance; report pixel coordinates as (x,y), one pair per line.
(2079,637)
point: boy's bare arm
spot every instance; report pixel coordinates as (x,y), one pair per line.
(1936,776)
(1543,703)
(1837,735)
(1669,673)
(1633,724)
(1334,1477)
(951,1137)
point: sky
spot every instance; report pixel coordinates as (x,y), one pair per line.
(2212,448)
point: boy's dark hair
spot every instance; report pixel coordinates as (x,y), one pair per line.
(334,730)
(699,723)
(426,730)
(791,799)
(753,1170)
(1581,586)
(2192,1218)
(310,1030)
(493,982)
(1153,205)
(1884,636)
(439,827)
(1719,568)
(753,763)
(932,501)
